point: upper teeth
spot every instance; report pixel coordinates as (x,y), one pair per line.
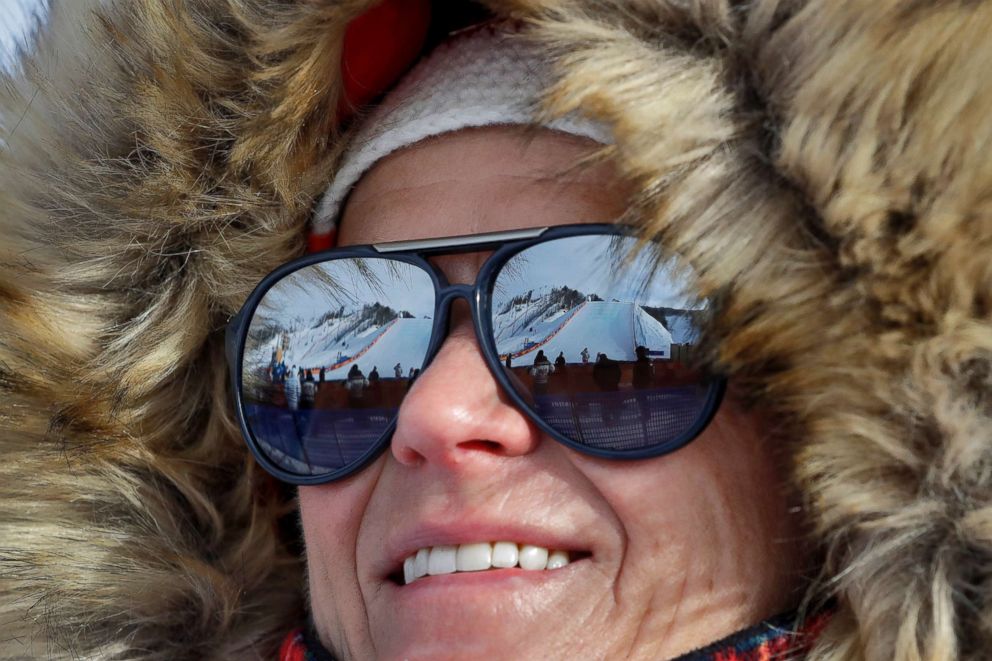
(479,556)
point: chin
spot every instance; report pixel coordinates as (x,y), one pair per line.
(477,617)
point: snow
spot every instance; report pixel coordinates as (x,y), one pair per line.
(650,333)
(401,340)
(528,323)
(613,328)
(363,338)
(683,328)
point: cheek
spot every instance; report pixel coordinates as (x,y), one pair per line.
(711,517)
(669,513)
(332,516)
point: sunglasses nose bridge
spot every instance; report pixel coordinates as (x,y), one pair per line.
(449,293)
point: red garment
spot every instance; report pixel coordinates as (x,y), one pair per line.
(773,640)
(379,46)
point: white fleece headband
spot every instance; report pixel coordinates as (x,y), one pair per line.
(487,76)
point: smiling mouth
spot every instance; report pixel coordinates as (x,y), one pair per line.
(480,556)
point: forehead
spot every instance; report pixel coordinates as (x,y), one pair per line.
(482,180)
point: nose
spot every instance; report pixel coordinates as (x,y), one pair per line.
(456,412)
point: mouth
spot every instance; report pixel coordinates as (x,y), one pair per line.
(480,557)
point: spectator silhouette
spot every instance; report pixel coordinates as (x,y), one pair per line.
(291,388)
(643,369)
(356,385)
(606,373)
(308,392)
(375,389)
(541,372)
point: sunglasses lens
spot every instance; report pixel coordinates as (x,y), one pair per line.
(596,335)
(330,352)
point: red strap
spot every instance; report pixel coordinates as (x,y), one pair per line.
(379,46)
(292,648)
(319,242)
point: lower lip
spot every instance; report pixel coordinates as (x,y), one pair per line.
(464,614)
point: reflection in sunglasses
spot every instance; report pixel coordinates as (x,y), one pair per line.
(593,334)
(621,333)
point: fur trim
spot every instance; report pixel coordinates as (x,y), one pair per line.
(824,168)
(150,179)
(827,171)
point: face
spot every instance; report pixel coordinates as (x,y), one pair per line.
(667,554)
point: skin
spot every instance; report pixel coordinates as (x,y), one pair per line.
(677,551)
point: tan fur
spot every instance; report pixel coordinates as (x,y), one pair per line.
(824,168)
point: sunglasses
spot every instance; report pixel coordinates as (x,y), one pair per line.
(587,330)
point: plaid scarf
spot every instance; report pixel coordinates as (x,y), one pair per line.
(777,639)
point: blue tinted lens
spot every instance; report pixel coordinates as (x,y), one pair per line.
(330,352)
(596,335)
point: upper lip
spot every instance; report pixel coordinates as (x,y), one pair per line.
(412,538)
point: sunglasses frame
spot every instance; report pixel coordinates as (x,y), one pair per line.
(479,296)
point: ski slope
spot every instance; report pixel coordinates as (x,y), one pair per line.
(522,322)
(401,341)
(314,349)
(609,327)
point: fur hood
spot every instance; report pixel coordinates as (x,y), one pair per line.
(825,167)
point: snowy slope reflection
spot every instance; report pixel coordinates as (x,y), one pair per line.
(598,336)
(330,353)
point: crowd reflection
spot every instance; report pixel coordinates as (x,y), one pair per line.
(608,403)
